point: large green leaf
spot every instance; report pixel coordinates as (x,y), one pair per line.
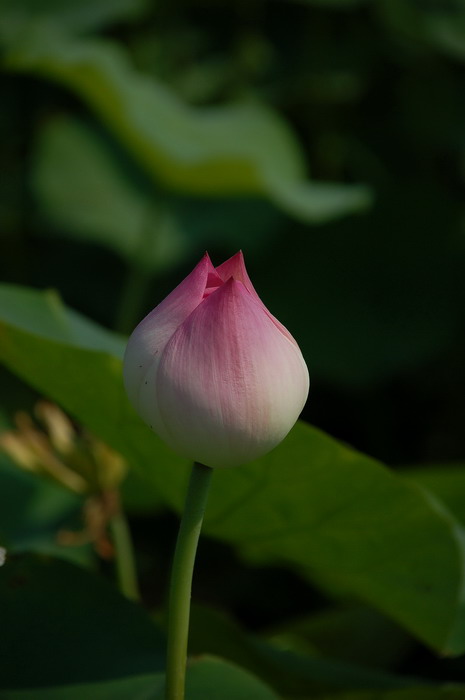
(237,149)
(67,634)
(78,364)
(290,672)
(355,634)
(82,188)
(334,512)
(134,688)
(312,503)
(63,625)
(44,315)
(207,677)
(217,680)
(447,481)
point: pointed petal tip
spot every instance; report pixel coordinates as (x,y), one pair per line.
(239,256)
(234,267)
(207,268)
(206,260)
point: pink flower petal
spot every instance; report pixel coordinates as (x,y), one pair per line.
(230,385)
(235,268)
(147,342)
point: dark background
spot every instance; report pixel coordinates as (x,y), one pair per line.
(375,94)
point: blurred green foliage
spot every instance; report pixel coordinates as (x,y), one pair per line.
(326,138)
(312,503)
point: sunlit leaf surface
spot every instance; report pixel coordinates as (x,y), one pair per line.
(239,149)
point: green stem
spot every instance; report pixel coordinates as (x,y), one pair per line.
(181,580)
(124,556)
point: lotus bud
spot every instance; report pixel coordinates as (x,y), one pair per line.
(212,372)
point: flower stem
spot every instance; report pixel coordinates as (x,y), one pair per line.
(124,556)
(181,580)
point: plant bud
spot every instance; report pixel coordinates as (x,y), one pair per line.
(212,372)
